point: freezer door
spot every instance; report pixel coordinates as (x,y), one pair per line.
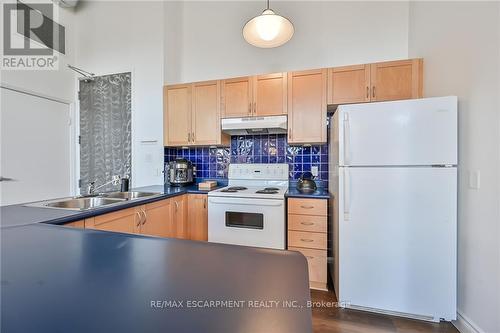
(397,240)
(410,132)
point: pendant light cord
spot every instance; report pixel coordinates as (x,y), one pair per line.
(267,4)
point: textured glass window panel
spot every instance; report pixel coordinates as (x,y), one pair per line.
(315,159)
(265,159)
(306,159)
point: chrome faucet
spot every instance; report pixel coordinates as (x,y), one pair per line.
(91,188)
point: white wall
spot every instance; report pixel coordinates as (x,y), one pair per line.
(460,44)
(204,40)
(114,37)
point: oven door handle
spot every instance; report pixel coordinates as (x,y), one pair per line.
(245,203)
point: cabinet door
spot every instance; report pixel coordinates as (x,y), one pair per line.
(206,113)
(395,80)
(177,115)
(307,106)
(349,84)
(76,224)
(125,220)
(269,95)
(180,216)
(198,217)
(237,97)
(158,219)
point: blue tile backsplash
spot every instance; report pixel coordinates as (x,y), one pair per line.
(273,148)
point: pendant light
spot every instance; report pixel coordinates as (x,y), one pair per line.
(268,29)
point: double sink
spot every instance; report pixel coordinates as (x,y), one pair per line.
(92,202)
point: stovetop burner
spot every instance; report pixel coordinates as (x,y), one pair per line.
(234,189)
(271,189)
(268,191)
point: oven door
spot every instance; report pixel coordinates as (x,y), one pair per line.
(247,221)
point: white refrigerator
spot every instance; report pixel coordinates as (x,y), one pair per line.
(394,221)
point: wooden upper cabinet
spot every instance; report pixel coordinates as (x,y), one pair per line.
(125,220)
(349,84)
(180,212)
(237,97)
(177,115)
(197,217)
(206,129)
(307,106)
(157,219)
(269,95)
(395,80)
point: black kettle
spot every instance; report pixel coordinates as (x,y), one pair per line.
(306,184)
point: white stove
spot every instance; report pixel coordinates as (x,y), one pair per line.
(251,209)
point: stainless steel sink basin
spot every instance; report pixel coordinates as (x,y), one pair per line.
(128,195)
(91,202)
(78,203)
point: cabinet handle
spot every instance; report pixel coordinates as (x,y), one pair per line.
(373,91)
(306,223)
(204,203)
(307,240)
(254,108)
(250,108)
(367,92)
(189,137)
(145,217)
(306,207)
(138,218)
(176,205)
(290,133)
(192,136)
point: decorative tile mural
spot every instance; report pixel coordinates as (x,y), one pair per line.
(213,162)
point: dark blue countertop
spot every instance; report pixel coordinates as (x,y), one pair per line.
(16,215)
(320,193)
(58,279)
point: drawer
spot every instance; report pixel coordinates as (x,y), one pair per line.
(307,223)
(307,206)
(316,262)
(310,240)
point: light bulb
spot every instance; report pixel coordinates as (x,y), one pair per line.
(268,25)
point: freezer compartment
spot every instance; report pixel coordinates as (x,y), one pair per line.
(400,133)
(397,234)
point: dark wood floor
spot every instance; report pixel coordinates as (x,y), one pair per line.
(338,320)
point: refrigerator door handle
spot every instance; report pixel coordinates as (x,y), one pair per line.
(347,139)
(347,194)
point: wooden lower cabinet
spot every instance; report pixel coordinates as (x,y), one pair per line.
(184,216)
(76,224)
(157,219)
(179,216)
(125,220)
(307,233)
(198,217)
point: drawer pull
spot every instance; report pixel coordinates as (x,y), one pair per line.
(307,240)
(306,207)
(307,223)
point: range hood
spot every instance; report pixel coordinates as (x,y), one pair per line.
(255,125)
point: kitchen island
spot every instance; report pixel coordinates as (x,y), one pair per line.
(58,279)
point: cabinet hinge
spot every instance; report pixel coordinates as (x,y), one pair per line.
(79,183)
(79,139)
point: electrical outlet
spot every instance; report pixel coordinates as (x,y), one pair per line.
(474,179)
(314,170)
